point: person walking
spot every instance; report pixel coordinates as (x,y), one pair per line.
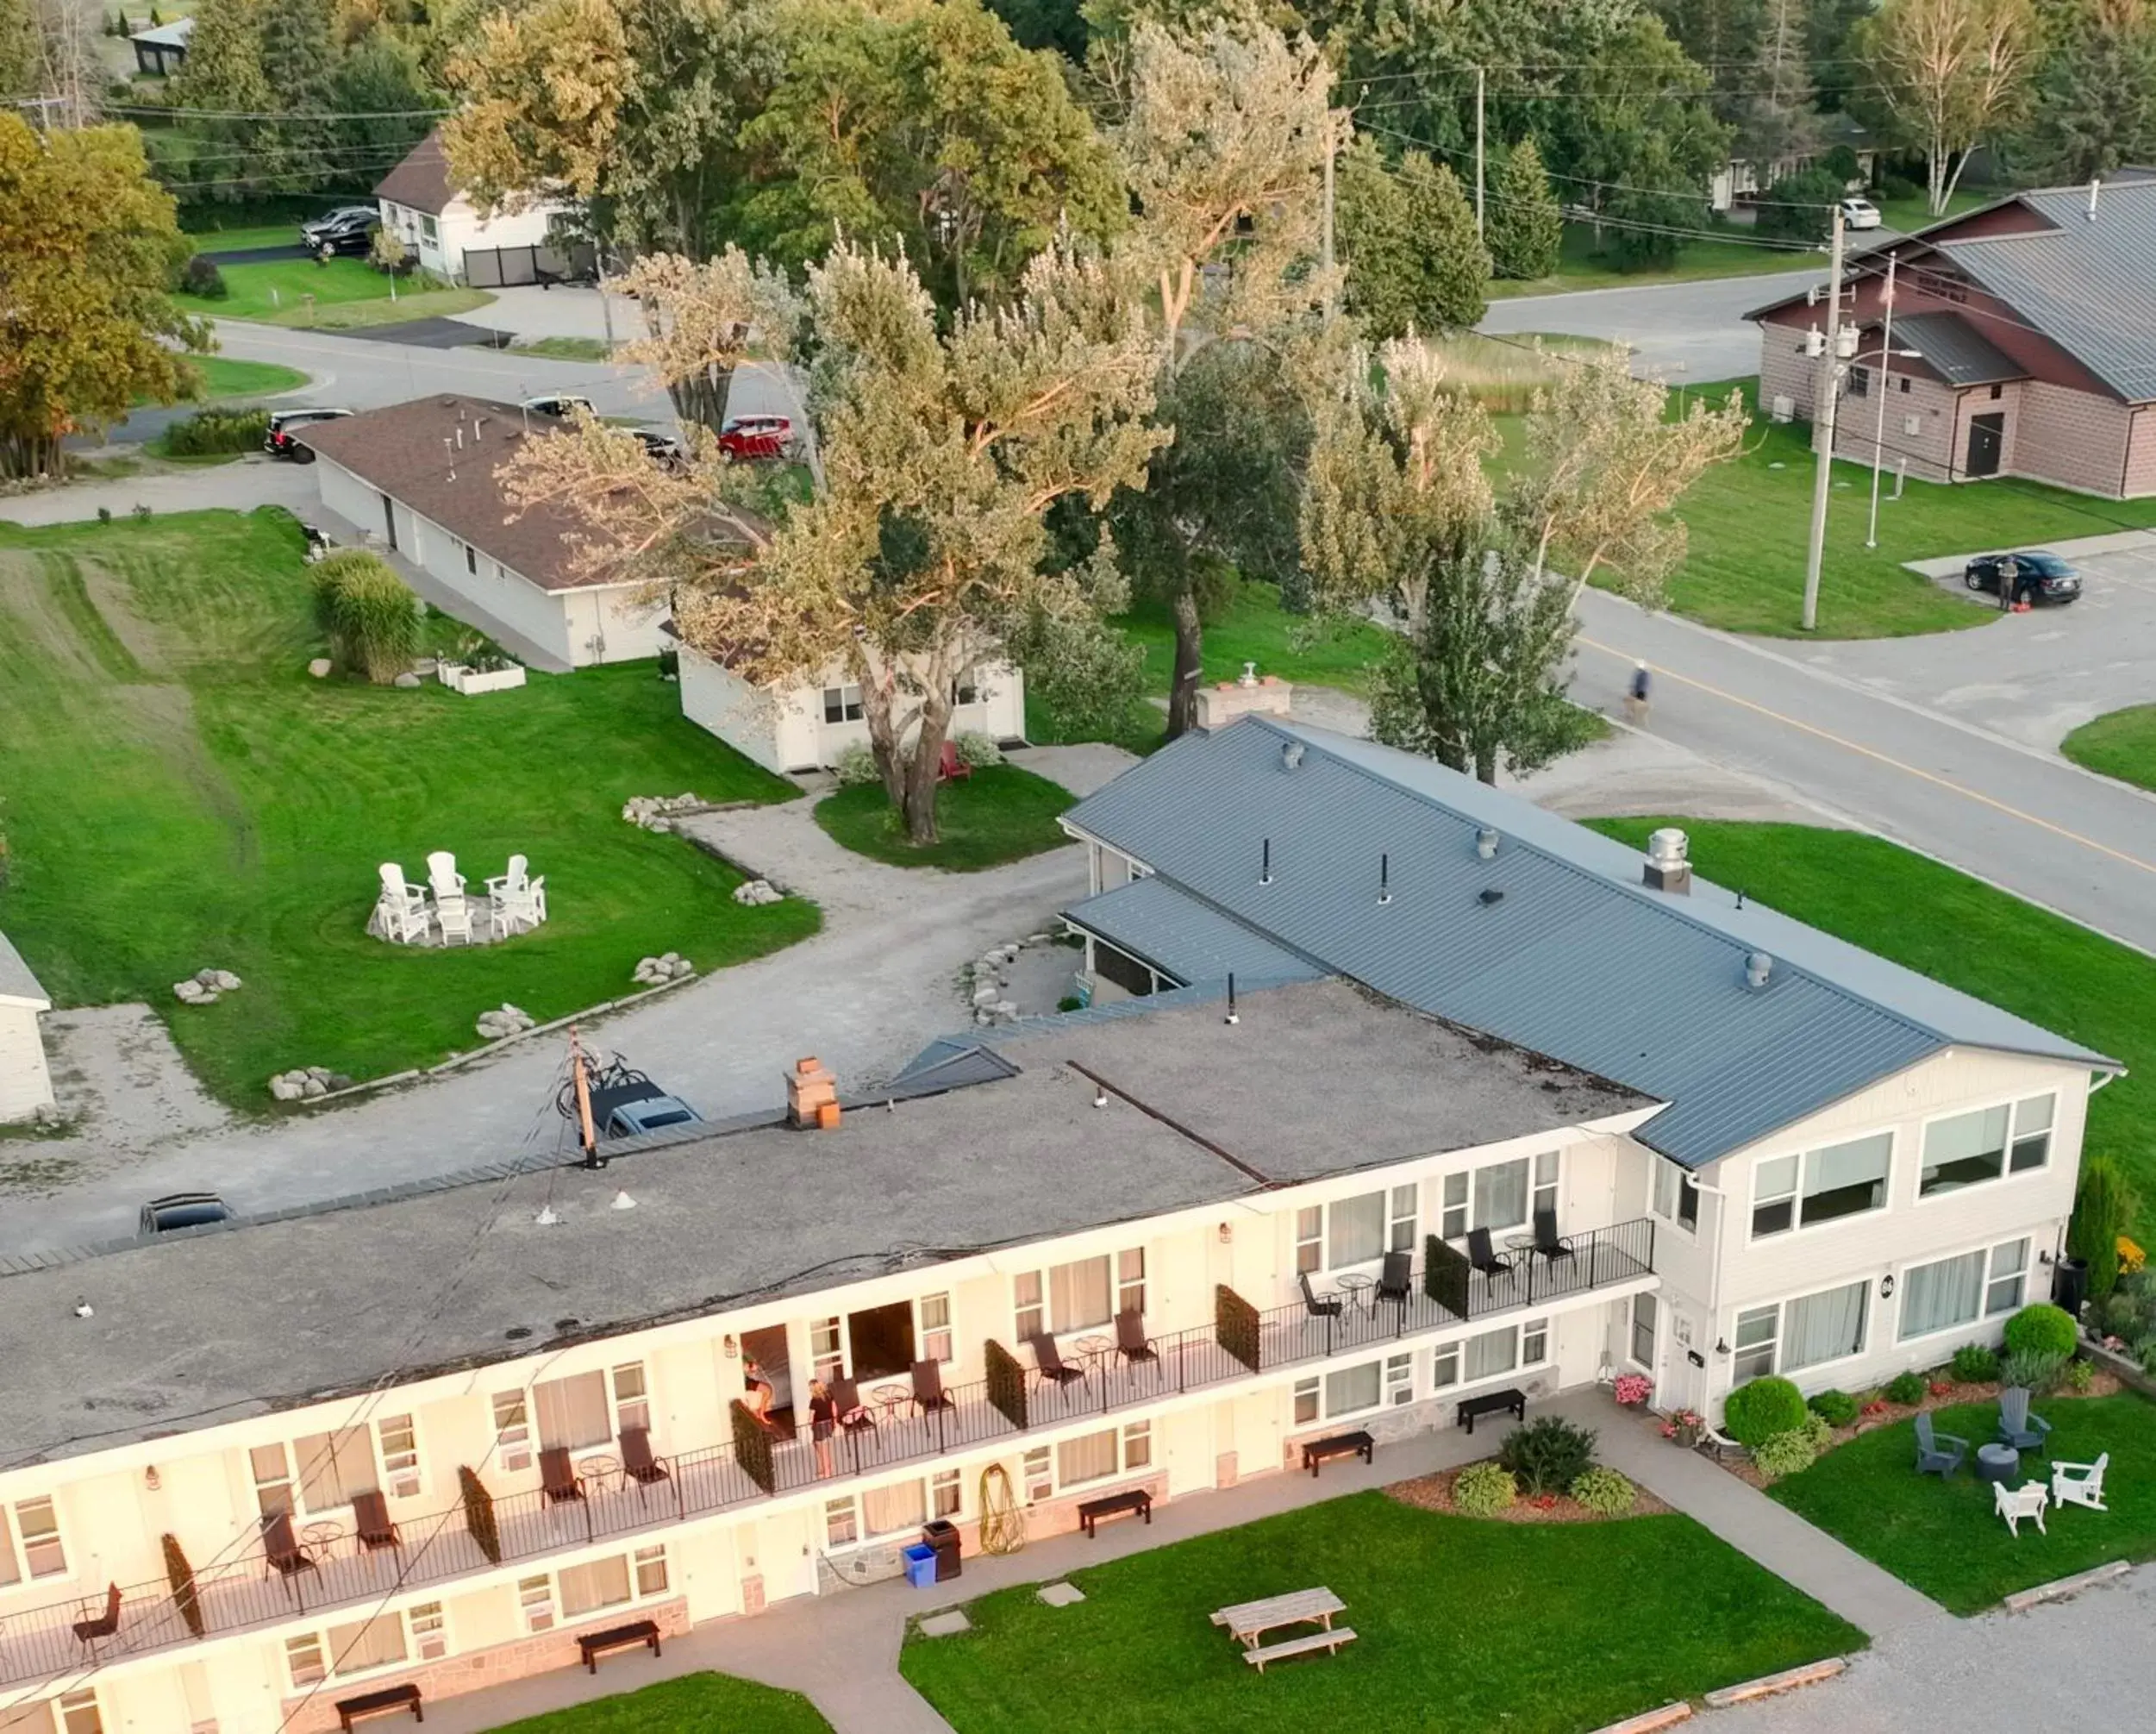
(1639,696)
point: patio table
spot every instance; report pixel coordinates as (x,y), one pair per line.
(1094,1351)
(1998,1464)
(600,1469)
(1358,1285)
(889,1397)
(318,1538)
(1249,1621)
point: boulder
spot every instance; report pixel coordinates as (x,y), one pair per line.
(338,1080)
(320,667)
(987,993)
(207,977)
(315,1087)
(224,980)
(1039,938)
(407,680)
(319,1073)
(284,1089)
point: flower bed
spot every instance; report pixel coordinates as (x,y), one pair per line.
(1434,1494)
(472,681)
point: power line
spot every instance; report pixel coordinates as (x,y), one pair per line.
(307,114)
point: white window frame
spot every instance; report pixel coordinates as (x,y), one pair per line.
(827,1347)
(1399,1380)
(1534,1342)
(427,1631)
(546,1608)
(1775,1344)
(937,1306)
(1651,1324)
(1402,1211)
(1037,1470)
(1043,1283)
(1994,1275)
(1310,1240)
(84,1698)
(1317,1386)
(14,1537)
(1544,1178)
(835,699)
(315,1641)
(629,1386)
(512,1416)
(1459,1212)
(1667,1192)
(401,1467)
(1129,1276)
(841,1523)
(2017,1135)
(1797,1195)
(536,1602)
(946,1493)
(1444,1365)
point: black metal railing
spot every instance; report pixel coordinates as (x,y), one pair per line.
(484,1529)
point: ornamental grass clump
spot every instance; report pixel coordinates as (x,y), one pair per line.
(1482,1490)
(1604,1492)
(370,615)
(1974,1364)
(1785,1454)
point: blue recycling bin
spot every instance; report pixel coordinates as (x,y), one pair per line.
(920,1566)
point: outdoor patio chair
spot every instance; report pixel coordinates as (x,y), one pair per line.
(1047,1360)
(1938,1453)
(1130,1337)
(514,908)
(1327,1308)
(103,1624)
(402,907)
(281,1551)
(928,1394)
(2016,1503)
(453,915)
(2019,1428)
(516,878)
(557,1478)
(442,875)
(637,1459)
(1547,1242)
(951,769)
(2080,1484)
(1395,1278)
(371,1520)
(1482,1255)
(853,1416)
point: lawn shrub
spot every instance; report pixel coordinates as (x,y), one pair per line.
(2032,1370)
(1757,1409)
(200,276)
(2104,1206)
(1907,1388)
(1482,1490)
(370,616)
(977,751)
(2081,1377)
(1785,1454)
(209,432)
(856,766)
(1974,1364)
(1604,1492)
(2042,1329)
(1547,1454)
(1835,1408)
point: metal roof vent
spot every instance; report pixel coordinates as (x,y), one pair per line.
(1668,862)
(1486,842)
(1489,895)
(1757,968)
(1291,756)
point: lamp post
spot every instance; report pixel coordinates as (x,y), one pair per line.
(1887,353)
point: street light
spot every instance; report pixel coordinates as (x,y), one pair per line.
(1878,435)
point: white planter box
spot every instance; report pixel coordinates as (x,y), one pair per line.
(469,681)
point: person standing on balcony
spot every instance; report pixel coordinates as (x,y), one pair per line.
(824,1420)
(757,1397)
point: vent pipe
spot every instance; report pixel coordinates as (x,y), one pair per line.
(1668,862)
(1265,863)
(1384,878)
(1291,756)
(1759,968)
(1487,844)
(2096,186)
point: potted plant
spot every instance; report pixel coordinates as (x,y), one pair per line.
(1683,1427)
(1632,1389)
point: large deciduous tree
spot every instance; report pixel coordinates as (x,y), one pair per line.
(88,246)
(1947,75)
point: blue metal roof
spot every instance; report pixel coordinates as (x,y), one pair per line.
(1577,959)
(1186,939)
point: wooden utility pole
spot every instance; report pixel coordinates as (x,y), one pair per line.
(1826,387)
(1479,152)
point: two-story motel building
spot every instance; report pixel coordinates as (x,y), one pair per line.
(1153,1160)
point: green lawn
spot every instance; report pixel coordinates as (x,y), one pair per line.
(1911,214)
(696,1704)
(1580,266)
(224,377)
(1942,1537)
(565,348)
(2121,744)
(1460,1625)
(243,239)
(347,292)
(998,814)
(1255,628)
(1967,935)
(181,794)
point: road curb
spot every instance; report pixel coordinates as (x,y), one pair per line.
(2021,1601)
(1768,1684)
(1667,1716)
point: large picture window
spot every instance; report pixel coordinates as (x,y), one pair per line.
(572,1411)
(1808,1332)
(1078,1296)
(1820,1185)
(1498,1195)
(1968,1149)
(1676,1196)
(1958,1291)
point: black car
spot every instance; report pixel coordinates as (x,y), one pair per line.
(281,441)
(663,450)
(349,230)
(183,1210)
(2034,575)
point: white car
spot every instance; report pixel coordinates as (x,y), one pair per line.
(1860,213)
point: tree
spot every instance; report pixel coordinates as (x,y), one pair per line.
(1526,224)
(1949,74)
(2094,104)
(1800,206)
(1407,238)
(1778,118)
(298,62)
(89,244)
(1722,37)
(223,75)
(702,320)
(18,48)
(1833,70)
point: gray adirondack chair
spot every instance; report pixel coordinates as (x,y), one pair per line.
(1938,1453)
(2019,1428)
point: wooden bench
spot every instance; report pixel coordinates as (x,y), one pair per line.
(386,1702)
(1136,1499)
(1355,1444)
(1493,1403)
(638,1632)
(1328,1641)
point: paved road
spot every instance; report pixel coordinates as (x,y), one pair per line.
(1693,332)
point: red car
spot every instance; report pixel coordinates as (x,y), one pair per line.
(748,437)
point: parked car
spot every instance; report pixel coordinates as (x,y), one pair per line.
(183,1210)
(663,450)
(627,1110)
(2033,575)
(1860,213)
(349,229)
(282,440)
(560,405)
(748,437)
(320,543)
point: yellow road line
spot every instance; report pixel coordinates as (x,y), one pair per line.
(1857,746)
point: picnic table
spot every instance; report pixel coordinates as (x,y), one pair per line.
(1249,1621)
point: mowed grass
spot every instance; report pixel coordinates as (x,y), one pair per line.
(1254,628)
(998,814)
(181,794)
(277,292)
(225,377)
(1943,1536)
(1948,926)
(1460,1625)
(2122,744)
(247,239)
(696,1704)
(1580,266)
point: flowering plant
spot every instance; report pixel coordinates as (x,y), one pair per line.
(1544,1502)
(1633,1388)
(2131,1257)
(1686,1419)
(1940,1387)
(1876,1406)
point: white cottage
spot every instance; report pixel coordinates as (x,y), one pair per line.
(424,207)
(26,1082)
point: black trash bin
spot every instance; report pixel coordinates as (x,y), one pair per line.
(2070,1284)
(942,1535)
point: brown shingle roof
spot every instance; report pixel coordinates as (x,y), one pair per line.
(421,180)
(399,451)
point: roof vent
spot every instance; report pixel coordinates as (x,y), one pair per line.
(2096,186)
(1486,842)
(1291,756)
(1489,894)
(1757,968)
(1668,862)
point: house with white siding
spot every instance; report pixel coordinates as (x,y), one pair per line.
(25,1081)
(422,206)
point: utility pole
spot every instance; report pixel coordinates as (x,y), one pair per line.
(1332,144)
(1825,386)
(1878,430)
(1480,83)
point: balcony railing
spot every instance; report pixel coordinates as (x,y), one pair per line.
(247,1593)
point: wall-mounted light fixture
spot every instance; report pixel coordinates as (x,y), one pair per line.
(1227,1232)
(151,1478)
(733,1349)
(1721,1345)
(1886,1286)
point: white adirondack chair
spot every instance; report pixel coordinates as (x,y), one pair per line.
(450,911)
(515,908)
(508,896)
(2080,1484)
(402,908)
(2016,1503)
(516,879)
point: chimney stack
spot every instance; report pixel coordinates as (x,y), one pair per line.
(1668,862)
(2096,186)
(812,1095)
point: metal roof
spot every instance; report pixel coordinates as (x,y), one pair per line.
(16,980)
(1954,349)
(1184,938)
(1577,959)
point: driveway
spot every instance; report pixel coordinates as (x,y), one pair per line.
(1683,332)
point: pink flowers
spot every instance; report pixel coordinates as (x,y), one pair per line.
(1633,1388)
(1685,1420)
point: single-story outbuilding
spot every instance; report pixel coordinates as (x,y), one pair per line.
(161,50)
(25,1081)
(423,206)
(422,476)
(2023,343)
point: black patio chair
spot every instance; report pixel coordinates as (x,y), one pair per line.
(1327,1308)
(1394,1278)
(1547,1242)
(1048,1359)
(1482,1255)
(929,1393)
(1131,1339)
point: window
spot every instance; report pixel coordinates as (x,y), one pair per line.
(1352,1388)
(2032,1134)
(332,1467)
(1643,1323)
(1499,1194)
(1859,382)
(37,1528)
(1997,391)
(651,1570)
(429,1631)
(826,1357)
(79,1713)
(841,1528)
(572,1411)
(1809,1332)
(1087,1458)
(1355,1229)
(1400,1234)
(1130,1280)
(302,1658)
(1399,1380)
(535,1595)
(879,1340)
(900,1506)
(1445,1366)
(1304,1408)
(365,1644)
(1492,1353)
(1534,1342)
(273,1481)
(512,1429)
(1138,1446)
(587,1589)
(1455,1203)
(1545,1182)
(1903,383)
(1310,1238)
(1969,1148)
(935,1327)
(1079,1296)
(1039,1473)
(965,688)
(842,703)
(400,1454)
(471,559)
(630,1408)
(428,227)
(1756,1333)
(945,1493)
(1820,1185)
(1956,1290)
(1676,1196)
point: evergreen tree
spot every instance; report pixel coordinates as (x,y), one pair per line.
(1455,265)
(1778,118)
(223,76)
(2095,102)
(1526,224)
(299,63)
